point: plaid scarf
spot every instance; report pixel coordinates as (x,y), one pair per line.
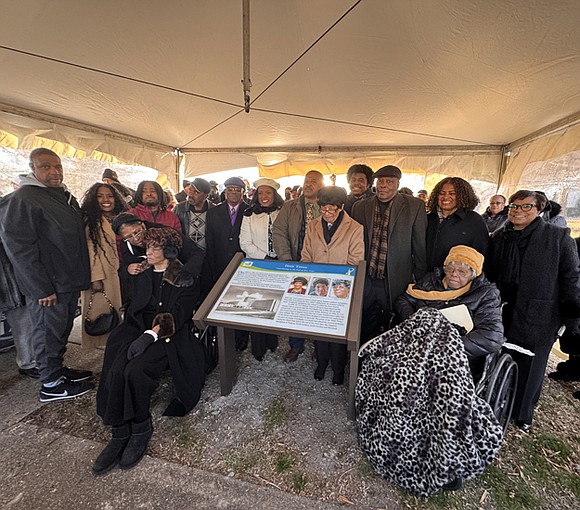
(378,251)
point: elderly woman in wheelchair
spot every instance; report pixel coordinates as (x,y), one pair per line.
(420,418)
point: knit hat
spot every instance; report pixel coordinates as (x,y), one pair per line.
(110,174)
(265,181)
(468,256)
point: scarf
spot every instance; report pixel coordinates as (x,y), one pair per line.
(329,232)
(379,244)
(438,295)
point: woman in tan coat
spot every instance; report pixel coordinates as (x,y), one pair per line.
(333,238)
(100,204)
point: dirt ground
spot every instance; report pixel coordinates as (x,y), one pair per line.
(280,427)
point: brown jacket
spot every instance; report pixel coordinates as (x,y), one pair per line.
(346,247)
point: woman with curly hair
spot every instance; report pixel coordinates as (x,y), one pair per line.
(155,337)
(453,221)
(100,204)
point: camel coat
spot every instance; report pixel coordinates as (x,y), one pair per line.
(346,247)
(104,266)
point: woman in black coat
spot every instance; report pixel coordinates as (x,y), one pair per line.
(461,282)
(155,337)
(535,266)
(453,221)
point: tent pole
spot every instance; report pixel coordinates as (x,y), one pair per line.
(246,53)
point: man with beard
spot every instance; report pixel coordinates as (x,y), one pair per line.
(288,234)
(152,205)
(360,181)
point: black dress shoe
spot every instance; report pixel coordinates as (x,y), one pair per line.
(259,358)
(319,373)
(29,372)
(524,427)
(338,379)
(453,485)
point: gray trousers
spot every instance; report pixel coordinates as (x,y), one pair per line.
(22,330)
(52,327)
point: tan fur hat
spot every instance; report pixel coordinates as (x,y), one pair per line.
(468,256)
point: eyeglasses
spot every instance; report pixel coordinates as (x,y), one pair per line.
(464,273)
(235,189)
(523,207)
(329,209)
(134,235)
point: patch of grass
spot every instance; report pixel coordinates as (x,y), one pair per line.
(275,415)
(555,444)
(241,462)
(298,481)
(576,439)
(284,461)
(509,494)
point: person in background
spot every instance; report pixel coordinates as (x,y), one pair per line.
(406,191)
(423,195)
(295,192)
(42,231)
(110,177)
(287,192)
(552,213)
(537,270)
(394,226)
(182,195)
(99,206)
(288,235)
(214,195)
(170,198)
(360,182)
(333,238)
(151,205)
(453,221)
(155,337)
(223,236)
(256,243)
(495,215)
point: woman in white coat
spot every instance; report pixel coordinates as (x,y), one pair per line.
(256,242)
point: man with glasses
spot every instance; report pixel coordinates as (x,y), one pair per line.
(223,236)
(288,234)
(44,237)
(395,226)
(495,216)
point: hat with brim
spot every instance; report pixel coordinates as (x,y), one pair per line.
(265,181)
(300,279)
(201,185)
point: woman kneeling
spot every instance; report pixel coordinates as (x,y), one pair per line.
(155,337)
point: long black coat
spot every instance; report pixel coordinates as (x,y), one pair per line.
(461,227)
(482,301)
(184,354)
(221,237)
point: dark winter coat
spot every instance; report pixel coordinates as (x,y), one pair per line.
(221,237)
(406,239)
(549,284)
(494,223)
(184,353)
(10,295)
(482,301)
(461,227)
(44,237)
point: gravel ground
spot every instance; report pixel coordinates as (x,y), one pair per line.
(280,427)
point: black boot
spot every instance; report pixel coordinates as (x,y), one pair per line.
(109,457)
(137,446)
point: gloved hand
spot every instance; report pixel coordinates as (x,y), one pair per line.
(139,345)
(460,329)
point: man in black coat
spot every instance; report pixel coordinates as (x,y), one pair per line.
(222,236)
(44,237)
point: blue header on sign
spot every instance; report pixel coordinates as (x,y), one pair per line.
(297,267)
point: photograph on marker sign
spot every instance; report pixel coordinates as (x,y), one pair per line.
(262,303)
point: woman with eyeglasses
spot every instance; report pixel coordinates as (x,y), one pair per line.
(256,242)
(332,238)
(461,282)
(535,266)
(100,204)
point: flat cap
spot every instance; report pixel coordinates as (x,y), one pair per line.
(388,171)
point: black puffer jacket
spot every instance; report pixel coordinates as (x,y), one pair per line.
(482,301)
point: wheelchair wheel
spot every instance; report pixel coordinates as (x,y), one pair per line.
(209,343)
(501,391)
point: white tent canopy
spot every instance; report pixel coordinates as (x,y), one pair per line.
(387,81)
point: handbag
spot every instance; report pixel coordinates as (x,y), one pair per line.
(104,323)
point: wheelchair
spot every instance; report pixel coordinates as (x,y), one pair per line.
(209,343)
(497,385)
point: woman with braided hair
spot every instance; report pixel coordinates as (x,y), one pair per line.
(99,205)
(453,221)
(154,337)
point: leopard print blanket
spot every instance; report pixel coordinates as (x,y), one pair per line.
(419,420)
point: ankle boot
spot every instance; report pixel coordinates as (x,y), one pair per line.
(109,457)
(137,446)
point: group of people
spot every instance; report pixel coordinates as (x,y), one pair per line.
(157,262)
